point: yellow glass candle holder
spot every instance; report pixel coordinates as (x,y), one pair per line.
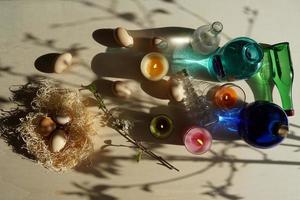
(154,66)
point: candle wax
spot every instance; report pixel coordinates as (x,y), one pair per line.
(226,97)
(197,140)
(161,126)
(155,66)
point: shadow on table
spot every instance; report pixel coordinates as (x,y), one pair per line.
(11,119)
(21,97)
(105,165)
(123,63)
(127,60)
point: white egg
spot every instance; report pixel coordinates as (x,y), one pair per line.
(58,140)
(63,62)
(177,90)
(122,37)
(62,120)
(122,89)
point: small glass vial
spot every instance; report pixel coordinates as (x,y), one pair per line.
(206,39)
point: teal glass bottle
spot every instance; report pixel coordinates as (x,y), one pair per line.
(239,59)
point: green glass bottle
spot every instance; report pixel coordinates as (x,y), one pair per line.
(283,75)
(262,83)
(277,69)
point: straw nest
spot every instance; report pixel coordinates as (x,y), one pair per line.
(51,101)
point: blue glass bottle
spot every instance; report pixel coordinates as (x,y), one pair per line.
(239,59)
(263,124)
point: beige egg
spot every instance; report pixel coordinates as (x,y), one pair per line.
(47,126)
(63,62)
(122,89)
(177,90)
(58,140)
(122,37)
(62,120)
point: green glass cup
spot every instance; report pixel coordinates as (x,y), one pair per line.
(161,126)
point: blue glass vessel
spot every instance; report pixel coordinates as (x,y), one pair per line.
(239,59)
(263,124)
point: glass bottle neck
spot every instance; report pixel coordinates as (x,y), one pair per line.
(215,28)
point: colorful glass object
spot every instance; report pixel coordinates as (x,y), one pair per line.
(239,59)
(263,124)
(283,75)
(224,96)
(161,126)
(154,66)
(197,140)
(228,120)
(277,69)
(228,96)
(206,39)
(261,83)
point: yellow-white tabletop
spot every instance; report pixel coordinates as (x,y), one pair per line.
(232,170)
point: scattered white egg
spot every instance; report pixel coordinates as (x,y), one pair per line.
(58,140)
(122,89)
(177,90)
(63,62)
(122,37)
(62,120)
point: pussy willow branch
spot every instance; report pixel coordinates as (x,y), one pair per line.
(118,125)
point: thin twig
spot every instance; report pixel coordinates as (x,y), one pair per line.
(119,126)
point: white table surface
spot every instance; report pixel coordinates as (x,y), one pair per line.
(31,28)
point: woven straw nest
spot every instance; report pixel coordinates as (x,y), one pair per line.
(49,102)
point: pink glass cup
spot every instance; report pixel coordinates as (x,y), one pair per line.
(197,140)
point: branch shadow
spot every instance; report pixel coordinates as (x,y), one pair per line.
(11,119)
(209,188)
(21,96)
(114,60)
